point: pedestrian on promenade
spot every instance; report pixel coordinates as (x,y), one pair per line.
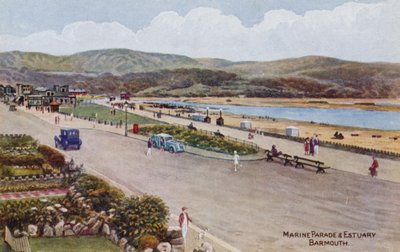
(312,146)
(316,144)
(374,167)
(184,220)
(55,120)
(149,145)
(72,115)
(236,159)
(307,146)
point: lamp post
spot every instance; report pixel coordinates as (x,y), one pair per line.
(126,118)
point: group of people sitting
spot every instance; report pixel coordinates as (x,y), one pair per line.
(311,145)
(338,135)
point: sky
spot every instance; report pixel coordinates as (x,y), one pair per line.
(263,30)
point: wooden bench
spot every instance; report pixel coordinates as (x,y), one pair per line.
(300,161)
(284,157)
(16,244)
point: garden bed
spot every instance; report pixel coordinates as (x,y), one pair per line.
(18,161)
(199,140)
(92,207)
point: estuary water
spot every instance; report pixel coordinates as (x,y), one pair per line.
(336,116)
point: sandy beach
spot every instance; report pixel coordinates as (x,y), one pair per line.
(385,142)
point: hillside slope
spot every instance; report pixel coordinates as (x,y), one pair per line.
(311,76)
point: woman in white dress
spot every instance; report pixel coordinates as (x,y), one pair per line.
(236,159)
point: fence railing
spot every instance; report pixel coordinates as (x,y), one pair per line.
(341,146)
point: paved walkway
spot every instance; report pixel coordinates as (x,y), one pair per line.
(34,194)
(66,122)
(337,159)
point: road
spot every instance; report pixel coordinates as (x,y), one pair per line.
(249,209)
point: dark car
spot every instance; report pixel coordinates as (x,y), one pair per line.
(68,138)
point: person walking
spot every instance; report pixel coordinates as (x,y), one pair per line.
(374,167)
(312,146)
(184,220)
(149,146)
(316,144)
(306,146)
(236,159)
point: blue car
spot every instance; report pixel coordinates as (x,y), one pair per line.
(68,138)
(167,142)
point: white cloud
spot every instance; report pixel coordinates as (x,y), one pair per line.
(364,32)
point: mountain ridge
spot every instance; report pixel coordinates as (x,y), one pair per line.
(304,76)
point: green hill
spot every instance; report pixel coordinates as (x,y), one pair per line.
(145,73)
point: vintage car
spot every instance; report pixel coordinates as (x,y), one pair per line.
(68,138)
(167,142)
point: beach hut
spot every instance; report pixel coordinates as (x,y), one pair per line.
(292,131)
(245,125)
(197,117)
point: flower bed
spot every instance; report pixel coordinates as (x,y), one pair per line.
(30,186)
(17,141)
(17,161)
(199,140)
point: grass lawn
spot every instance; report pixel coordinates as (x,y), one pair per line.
(68,244)
(103,113)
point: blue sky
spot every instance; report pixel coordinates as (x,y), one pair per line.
(263,30)
(22,17)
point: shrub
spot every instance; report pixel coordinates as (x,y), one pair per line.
(52,156)
(102,195)
(18,213)
(148,241)
(137,216)
(22,159)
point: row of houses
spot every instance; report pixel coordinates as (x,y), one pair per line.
(42,96)
(6,90)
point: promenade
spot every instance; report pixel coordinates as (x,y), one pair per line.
(249,209)
(337,159)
